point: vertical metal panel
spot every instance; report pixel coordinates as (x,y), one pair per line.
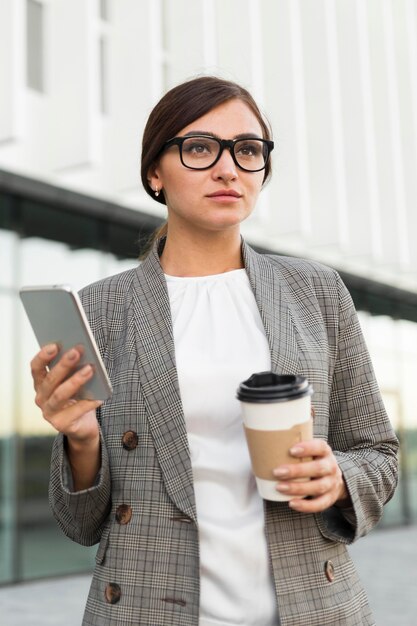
(281,95)
(104,10)
(300,128)
(357,221)
(399,205)
(336,122)
(234,40)
(12,70)
(103,61)
(185,39)
(404,19)
(369,125)
(35,45)
(209,34)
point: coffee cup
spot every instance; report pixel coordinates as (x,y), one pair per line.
(276,412)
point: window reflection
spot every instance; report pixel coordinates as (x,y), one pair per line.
(6,365)
(26,439)
(31,544)
(393,347)
(8,244)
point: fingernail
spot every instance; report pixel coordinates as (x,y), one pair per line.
(283,487)
(296,450)
(281,472)
(72,355)
(50,349)
(86,370)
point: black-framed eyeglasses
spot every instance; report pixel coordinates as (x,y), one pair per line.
(200,152)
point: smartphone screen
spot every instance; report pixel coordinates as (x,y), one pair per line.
(56,315)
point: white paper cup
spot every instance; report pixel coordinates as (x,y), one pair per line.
(276,412)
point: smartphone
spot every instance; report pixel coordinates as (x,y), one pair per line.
(57,316)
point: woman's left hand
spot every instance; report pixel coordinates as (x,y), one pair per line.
(326,485)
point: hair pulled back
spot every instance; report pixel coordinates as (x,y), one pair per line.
(181,106)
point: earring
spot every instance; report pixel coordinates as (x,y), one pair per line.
(157,192)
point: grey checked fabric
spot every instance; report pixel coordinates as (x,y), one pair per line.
(152,562)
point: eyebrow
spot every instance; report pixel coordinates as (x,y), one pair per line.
(207,133)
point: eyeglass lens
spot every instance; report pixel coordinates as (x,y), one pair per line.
(201,152)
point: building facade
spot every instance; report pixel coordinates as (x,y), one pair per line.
(337,80)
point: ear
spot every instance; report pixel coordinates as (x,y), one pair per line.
(154,177)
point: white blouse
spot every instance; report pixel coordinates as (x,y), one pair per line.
(220,341)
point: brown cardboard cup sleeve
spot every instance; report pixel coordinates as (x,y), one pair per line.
(270,448)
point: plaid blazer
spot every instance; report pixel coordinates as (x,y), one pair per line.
(142,508)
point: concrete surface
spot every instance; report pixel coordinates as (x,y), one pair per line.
(386,560)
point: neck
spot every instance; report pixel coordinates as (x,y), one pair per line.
(201,254)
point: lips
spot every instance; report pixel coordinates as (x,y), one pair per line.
(225,192)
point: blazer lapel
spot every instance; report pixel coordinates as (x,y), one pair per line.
(275,311)
(156,355)
(158,376)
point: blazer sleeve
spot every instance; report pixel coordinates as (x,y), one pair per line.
(360,433)
(80,514)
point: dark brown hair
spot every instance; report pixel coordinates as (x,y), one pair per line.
(181,106)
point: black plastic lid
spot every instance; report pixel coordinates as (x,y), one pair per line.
(270,387)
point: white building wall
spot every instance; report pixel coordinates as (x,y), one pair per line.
(337,79)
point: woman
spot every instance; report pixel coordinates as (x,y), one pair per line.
(162,476)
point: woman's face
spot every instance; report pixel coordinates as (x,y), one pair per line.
(192,196)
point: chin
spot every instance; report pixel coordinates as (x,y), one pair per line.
(228,219)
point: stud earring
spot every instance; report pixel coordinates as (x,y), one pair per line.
(157,192)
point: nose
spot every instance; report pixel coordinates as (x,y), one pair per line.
(225,168)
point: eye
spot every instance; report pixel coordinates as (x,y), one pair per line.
(197,146)
(249,149)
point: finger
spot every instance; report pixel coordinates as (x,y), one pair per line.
(309,469)
(315,505)
(313,447)
(40,362)
(322,461)
(66,391)
(313,488)
(68,420)
(59,373)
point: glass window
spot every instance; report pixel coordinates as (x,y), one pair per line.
(8,372)
(112,265)
(393,347)
(8,243)
(31,544)
(49,262)
(34,45)
(8,363)
(43,549)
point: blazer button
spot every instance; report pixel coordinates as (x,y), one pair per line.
(130,440)
(123,514)
(112,593)
(329,571)
(313,412)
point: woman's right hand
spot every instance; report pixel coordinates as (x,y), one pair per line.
(76,419)
(55,395)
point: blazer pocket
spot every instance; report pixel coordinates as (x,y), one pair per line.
(102,549)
